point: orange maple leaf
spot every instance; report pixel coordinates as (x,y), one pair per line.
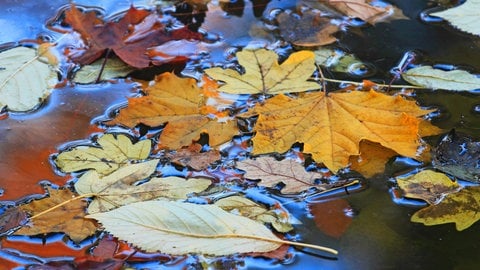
(180,103)
(331,127)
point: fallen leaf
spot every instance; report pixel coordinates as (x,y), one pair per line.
(129,37)
(12,219)
(178,228)
(69,218)
(263,74)
(114,68)
(429,77)
(110,153)
(463,17)
(279,218)
(372,158)
(335,60)
(331,127)
(176,51)
(119,188)
(192,156)
(179,102)
(427,185)
(332,217)
(363,9)
(309,29)
(25,81)
(461,208)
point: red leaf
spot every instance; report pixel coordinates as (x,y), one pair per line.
(331,217)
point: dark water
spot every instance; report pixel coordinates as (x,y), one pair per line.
(381,235)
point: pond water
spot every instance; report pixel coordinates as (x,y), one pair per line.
(380,235)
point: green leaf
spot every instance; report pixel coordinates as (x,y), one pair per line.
(464,17)
(428,77)
(25,81)
(180,228)
(119,188)
(114,68)
(110,154)
(461,208)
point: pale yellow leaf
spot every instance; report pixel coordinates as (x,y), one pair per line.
(464,17)
(114,68)
(429,77)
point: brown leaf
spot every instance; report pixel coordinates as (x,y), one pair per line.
(362,9)
(129,37)
(12,218)
(179,102)
(193,157)
(311,29)
(68,218)
(331,216)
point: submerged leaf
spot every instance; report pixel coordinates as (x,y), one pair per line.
(180,228)
(429,77)
(114,68)
(263,74)
(461,208)
(427,185)
(193,157)
(111,153)
(463,17)
(25,81)
(119,188)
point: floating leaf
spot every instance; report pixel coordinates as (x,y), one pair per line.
(331,127)
(363,9)
(114,68)
(69,218)
(309,29)
(180,228)
(461,208)
(263,74)
(463,17)
(118,188)
(11,219)
(25,81)
(177,101)
(429,77)
(111,153)
(193,157)
(279,218)
(287,171)
(427,185)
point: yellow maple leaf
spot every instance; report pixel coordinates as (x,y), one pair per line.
(180,103)
(331,127)
(263,74)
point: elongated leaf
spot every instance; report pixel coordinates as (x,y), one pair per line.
(24,80)
(179,228)
(112,153)
(464,17)
(429,77)
(118,188)
(114,68)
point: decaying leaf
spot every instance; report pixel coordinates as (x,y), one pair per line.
(129,37)
(311,29)
(463,17)
(427,185)
(335,60)
(263,74)
(69,218)
(363,9)
(11,219)
(180,228)
(331,127)
(179,102)
(287,171)
(114,68)
(118,188)
(192,156)
(429,77)
(279,218)
(461,208)
(110,153)
(25,81)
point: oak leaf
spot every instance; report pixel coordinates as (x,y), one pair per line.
(110,153)
(263,74)
(119,188)
(179,103)
(461,208)
(463,17)
(192,156)
(129,37)
(427,185)
(69,218)
(311,29)
(332,126)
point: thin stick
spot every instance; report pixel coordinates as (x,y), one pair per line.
(382,85)
(62,204)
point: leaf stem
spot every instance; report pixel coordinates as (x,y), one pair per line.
(382,85)
(62,204)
